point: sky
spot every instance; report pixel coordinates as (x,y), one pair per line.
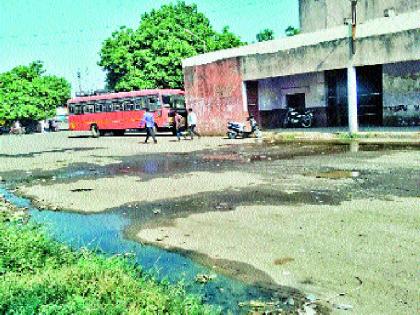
(67,34)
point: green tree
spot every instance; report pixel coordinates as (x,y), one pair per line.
(151,55)
(27,94)
(292,31)
(265,35)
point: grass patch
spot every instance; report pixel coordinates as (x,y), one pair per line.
(41,276)
(350,136)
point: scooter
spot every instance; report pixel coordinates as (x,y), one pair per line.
(294,118)
(236,129)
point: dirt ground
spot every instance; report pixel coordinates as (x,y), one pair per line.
(341,225)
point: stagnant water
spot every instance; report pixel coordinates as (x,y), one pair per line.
(104,233)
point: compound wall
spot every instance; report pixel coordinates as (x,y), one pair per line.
(401,96)
(215,92)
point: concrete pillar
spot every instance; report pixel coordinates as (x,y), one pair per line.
(352,99)
(244,98)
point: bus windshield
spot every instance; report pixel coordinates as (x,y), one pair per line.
(174,101)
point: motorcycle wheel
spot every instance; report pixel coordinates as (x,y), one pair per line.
(231,135)
(258,134)
(306,122)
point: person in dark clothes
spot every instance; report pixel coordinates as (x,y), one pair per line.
(179,125)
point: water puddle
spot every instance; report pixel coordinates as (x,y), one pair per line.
(335,174)
(104,233)
(234,157)
(113,232)
(37,153)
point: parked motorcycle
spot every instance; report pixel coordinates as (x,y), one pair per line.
(295,118)
(236,129)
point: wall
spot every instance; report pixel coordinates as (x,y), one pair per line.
(320,14)
(334,54)
(214,92)
(273,91)
(401,96)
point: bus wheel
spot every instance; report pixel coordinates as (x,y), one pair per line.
(95,131)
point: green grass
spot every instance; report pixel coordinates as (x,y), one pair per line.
(41,276)
(350,136)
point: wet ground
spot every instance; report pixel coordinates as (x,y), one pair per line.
(103,233)
(286,176)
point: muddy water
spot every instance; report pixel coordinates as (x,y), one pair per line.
(231,157)
(111,232)
(104,233)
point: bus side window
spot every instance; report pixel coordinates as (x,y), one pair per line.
(167,100)
(128,106)
(108,107)
(116,107)
(71,109)
(140,103)
(78,109)
(153,103)
(98,108)
(86,108)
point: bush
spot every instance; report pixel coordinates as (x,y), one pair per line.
(38,275)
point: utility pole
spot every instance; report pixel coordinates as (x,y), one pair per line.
(79,80)
(353,25)
(351,75)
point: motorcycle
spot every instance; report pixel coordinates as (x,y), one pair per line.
(295,118)
(236,129)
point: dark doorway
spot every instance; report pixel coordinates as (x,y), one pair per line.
(369,95)
(337,98)
(296,101)
(252,100)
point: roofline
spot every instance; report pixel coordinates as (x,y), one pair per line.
(376,27)
(119,95)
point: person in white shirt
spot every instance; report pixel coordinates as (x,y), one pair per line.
(192,123)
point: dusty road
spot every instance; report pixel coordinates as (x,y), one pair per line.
(341,225)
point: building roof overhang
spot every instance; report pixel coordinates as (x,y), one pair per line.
(370,29)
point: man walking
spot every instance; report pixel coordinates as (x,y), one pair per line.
(178,125)
(149,120)
(192,123)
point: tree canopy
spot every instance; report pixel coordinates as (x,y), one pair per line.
(151,55)
(265,35)
(27,94)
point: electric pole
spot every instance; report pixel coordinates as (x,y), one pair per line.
(79,80)
(353,25)
(352,75)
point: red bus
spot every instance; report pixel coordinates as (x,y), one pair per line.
(119,112)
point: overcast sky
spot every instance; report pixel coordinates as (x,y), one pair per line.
(67,34)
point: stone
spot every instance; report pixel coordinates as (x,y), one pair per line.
(311,297)
(204,278)
(290,301)
(344,307)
